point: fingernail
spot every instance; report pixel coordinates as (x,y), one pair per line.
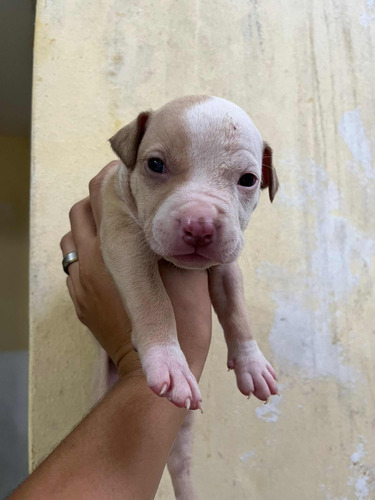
(163,389)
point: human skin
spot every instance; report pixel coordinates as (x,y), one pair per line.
(119,450)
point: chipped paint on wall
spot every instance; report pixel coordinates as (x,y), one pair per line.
(270,412)
(304,332)
(358,454)
(353,132)
(246,456)
(368,15)
(362,477)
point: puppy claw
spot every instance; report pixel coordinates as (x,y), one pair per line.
(267,400)
(248,397)
(200,406)
(163,390)
(187,404)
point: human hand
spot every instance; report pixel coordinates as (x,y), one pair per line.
(98,303)
(94,294)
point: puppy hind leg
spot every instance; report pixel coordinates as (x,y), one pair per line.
(179,462)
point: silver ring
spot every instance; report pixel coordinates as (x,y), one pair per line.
(68,259)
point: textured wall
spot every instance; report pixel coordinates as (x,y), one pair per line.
(305,73)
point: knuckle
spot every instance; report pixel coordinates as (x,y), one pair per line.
(63,240)
(113,164)
(94,185)
(75,208)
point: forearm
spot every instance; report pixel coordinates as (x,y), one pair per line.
(118,451)
(228,298)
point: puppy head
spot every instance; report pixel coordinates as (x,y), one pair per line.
(195,169)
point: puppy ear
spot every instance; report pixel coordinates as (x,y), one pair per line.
(127,140)
(269,177)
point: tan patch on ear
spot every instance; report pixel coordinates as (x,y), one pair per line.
(269,176)
(127,140)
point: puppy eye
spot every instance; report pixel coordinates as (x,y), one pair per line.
(156,165)
(247,180)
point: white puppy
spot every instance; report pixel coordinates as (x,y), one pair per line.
(190,179)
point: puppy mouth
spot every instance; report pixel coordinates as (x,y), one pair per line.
(190,260)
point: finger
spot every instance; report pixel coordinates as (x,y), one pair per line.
(73,296)
(83,224)
(95,190)
(69,284)
(67,245)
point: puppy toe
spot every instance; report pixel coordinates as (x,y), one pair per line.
(270,382)
(159,380)
(245,382)
(261,390)
(180,390)
(196,394)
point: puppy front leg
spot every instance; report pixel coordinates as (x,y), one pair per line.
(135,271)
(253,372)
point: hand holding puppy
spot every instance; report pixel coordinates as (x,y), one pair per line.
(98,303)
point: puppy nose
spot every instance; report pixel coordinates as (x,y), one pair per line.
(197,232)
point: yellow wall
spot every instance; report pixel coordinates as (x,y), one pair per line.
(304,71)
(14,242)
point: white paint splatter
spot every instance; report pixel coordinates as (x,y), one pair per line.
(357,455)
(367,16)
(362,489)
(353,132)
(362,478)
(246,456)
(269,412)
(330,497)
(361,481)
(338,256)
(361,486)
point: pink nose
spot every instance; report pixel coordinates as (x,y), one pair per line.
(197,232)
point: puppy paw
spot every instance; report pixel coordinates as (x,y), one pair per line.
(169,376)
(254,373)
